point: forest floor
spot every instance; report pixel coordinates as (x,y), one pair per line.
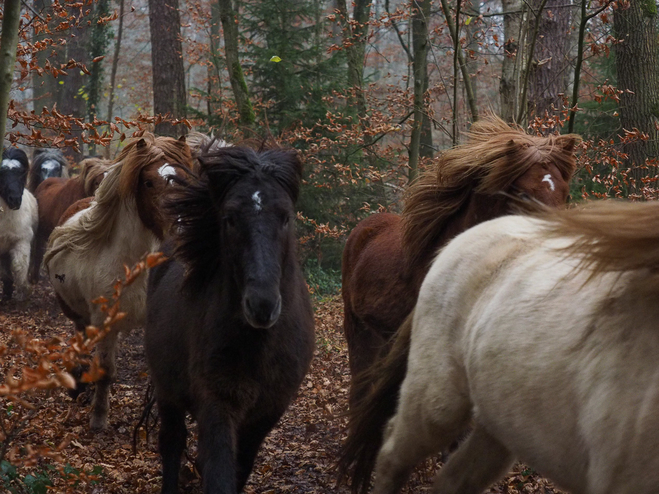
(297,457)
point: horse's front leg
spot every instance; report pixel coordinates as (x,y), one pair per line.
(107,353)
(217,447)
(20,263)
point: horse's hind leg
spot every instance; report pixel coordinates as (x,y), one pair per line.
(416,432)
(171,443)
(107,352)
(477,463)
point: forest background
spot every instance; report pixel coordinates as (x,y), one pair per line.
(370,91)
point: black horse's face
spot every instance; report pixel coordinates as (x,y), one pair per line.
(50,168)
(13,176)
(257,231)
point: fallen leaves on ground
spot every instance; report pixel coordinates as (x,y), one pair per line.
(297,457)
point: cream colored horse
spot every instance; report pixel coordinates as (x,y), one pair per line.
(542,334)
(87,254)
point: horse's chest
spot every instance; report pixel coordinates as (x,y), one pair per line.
(10,231)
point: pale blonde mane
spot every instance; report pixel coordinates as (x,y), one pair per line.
(116,192)
(493,157)
(610,235)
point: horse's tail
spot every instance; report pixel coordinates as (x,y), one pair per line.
(377,390)
(609,235)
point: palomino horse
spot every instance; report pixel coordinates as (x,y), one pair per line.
(54,196)
(18,221)
(86,255)
(387,256)
(542,334)
(230,329)
(47,163)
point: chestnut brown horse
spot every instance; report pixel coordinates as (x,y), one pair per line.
(387,256)
(54,196)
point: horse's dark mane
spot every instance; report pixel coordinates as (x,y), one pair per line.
(195,206)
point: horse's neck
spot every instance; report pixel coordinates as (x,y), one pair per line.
(477,209)
(129,238)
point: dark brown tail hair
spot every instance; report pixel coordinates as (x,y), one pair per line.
(377,389)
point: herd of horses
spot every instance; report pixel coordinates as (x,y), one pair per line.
(486,313)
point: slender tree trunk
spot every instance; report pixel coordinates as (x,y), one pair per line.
(113,73)
(97,48)
(169,96)
(45,86)
(236,77)
(513,50)
(355,35)
(638,76)
(214,79)
(454,31)
(420,45)
(10,21)
(550,71)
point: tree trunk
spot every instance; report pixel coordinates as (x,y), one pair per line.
(550,71)
(355,35)
(10,21)
(420,18)
(236,77)
(45,86)
(70,95)
(513,47)
(214,62)
(169,97)
(113,73)
(637,66)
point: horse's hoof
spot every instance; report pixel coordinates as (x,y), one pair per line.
(97,424)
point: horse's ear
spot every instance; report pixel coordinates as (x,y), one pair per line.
(182,138)
(141,144)
(568,147)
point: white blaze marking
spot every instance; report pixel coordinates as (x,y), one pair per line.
(547,178)
(256,197)
(50,165)
(167,170)
(10,164)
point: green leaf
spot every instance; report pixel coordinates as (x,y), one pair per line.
(275,59)
(468,20)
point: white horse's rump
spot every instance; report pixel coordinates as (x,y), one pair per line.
(17,228)
(553,364)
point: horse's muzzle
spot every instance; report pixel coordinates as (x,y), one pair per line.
(260,310)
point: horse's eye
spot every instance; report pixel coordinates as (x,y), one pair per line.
(148,184)
(285,220)
(229,221)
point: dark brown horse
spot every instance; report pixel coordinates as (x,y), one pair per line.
(54,195)
(387,256)
(230,331)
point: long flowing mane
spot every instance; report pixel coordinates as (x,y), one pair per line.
(90,169)
(610,235)
(117,190)
(494,156)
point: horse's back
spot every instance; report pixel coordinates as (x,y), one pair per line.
(73,209)
(559,368)
(373,275)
